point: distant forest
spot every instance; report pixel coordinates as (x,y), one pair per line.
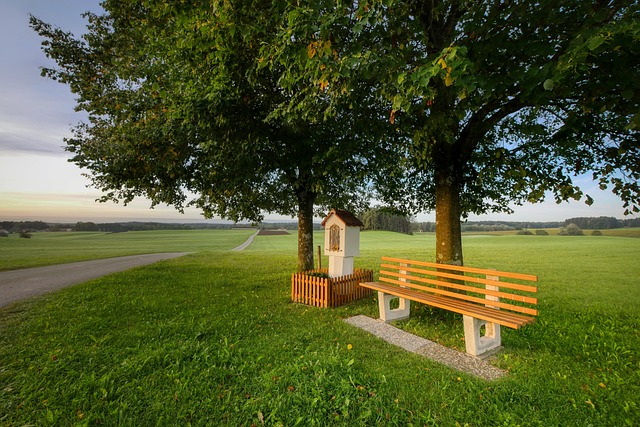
(585,223)
(112,227)
(120,227)
(380,220)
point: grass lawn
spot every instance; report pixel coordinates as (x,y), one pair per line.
(55,248)
(213,339)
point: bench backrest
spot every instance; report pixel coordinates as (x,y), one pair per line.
(482,286)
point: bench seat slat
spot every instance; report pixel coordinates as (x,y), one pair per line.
(485,291)
(508,319)
(457,296)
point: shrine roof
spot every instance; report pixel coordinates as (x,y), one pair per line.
(346,217)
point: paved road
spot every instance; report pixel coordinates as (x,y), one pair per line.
(19,284)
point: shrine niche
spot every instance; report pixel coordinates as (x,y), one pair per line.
(334,238)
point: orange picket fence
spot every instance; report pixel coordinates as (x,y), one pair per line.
(309,287)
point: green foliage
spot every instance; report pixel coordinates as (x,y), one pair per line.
(596,233)
(388,219)
(462,107)
(496,102)
(161,345)
(318,274)
(505,102)
(181,110)
(17,226)
(524,233)
(571,230)
(589,223)
(85,226)
(542,233)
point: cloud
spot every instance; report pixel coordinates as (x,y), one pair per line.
(35,113)
(16,137)
(61,207)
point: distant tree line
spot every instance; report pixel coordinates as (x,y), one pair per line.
(385,218)
(20,226)
(631,222)
(284,226)
(86,226)
(519,225)
(373,219)
(119,227)
(488,226)
(586,223)
(591,223)
(112,227)
(423,227)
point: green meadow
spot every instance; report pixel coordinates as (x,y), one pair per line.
(55,248)
(212,338)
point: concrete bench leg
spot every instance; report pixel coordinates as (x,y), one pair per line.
(386,313)
(477,344)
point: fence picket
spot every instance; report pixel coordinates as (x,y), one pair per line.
(329,292)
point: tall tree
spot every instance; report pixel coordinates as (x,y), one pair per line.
(501,101)
(182,110)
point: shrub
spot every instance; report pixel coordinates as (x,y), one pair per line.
(318,274)
(574,230)
(524,233)
(596,233)
(571,230)
(542,233)
(25,234)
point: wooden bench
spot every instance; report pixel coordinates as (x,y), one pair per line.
(482,297)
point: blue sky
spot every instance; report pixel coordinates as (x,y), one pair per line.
(37,182)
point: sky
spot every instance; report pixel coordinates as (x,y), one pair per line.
(38,183)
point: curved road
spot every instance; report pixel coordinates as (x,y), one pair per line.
(19,284)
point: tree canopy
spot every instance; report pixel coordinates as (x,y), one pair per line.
(182,111)
(448,105)
(501,102)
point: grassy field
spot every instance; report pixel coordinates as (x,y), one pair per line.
(55,248)
(213,339)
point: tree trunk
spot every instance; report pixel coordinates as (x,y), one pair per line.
(305,231)
(448,214)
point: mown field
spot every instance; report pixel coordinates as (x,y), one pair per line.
(213,339)
(55,248)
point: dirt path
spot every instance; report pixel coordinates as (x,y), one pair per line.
(19,284)
(246,244)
